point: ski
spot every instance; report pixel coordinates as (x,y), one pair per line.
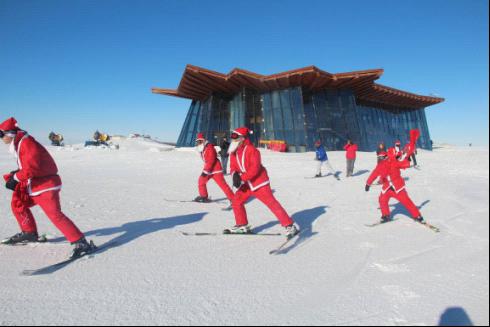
(229,234)
(62,264)
(42,239)
(380,223)
(284,244)
(429,226)
(193,201)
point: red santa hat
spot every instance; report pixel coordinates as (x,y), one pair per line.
(318,143)
(242,131)
(9,127)
(398,143)
(200,137)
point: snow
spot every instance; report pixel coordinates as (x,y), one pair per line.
(339,272)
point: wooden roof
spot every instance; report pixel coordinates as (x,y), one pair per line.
(199,83)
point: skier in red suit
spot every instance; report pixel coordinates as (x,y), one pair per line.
(389,171)
(36,182)
(251,179)
(212,170)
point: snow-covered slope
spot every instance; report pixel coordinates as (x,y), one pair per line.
(338,272)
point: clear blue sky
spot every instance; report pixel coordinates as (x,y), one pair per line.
(76,66)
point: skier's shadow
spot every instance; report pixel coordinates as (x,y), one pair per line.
(360,173)
(305,220)
(134,230)
(401,210)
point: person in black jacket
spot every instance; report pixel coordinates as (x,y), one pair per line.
(225,145)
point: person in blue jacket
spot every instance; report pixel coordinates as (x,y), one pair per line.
(322,158)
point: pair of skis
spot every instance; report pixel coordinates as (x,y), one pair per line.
(272,252)
(424,223)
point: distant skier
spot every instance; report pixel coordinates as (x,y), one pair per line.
(36,182)
(212,170)
(389,171)
(322,158)
(251,179)
(225,145)
(351,155)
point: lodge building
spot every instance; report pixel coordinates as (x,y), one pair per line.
(300,107)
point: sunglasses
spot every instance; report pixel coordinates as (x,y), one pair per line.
(2,134)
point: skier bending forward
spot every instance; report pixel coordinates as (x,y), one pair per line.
(251,179)
(389,172)
(36,182)
(212,170)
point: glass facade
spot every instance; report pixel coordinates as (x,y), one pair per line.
(300,118)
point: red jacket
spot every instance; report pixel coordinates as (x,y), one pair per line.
(248,163)
(351,151)
(37,168)
(389,171)
(212,165)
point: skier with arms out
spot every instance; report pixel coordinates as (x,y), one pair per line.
(251,179)
(388,171)
(322,158)
(212,170)
(36,182)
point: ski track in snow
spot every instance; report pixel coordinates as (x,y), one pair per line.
(337,272)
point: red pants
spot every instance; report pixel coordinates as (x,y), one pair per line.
(265,195)
(220,180)
(50,204)
(404,199)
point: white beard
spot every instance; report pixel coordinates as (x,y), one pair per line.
(200,148)
(12,149)
(233,147)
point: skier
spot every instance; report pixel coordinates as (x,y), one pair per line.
(351,154)
(389,171)
(251,179)
(212,170)
(322,158)
(225,145)
(36,182)
(398,149)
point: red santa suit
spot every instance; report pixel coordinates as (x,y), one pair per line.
(247,162)
(39,184)
(212,170)
(389,172)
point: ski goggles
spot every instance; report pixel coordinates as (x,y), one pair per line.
(235,136)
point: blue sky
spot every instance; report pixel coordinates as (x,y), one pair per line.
(76,66)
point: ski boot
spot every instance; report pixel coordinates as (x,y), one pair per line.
(337,176)
(291,231)
(419,219)
(82,247)
(22,237)
(318,175)
(385,219)
(243,229)
(201,199)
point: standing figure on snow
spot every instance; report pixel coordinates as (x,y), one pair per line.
(389,171)
(351,155)
(225,145)
(36,182)
(322,158)
(251,179)
(212,170)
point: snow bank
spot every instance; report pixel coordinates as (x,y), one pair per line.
(339,272)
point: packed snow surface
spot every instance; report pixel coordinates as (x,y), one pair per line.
(338,272)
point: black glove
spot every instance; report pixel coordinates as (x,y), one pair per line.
(237,180)
(368,187)
(11,183)
(204,175)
